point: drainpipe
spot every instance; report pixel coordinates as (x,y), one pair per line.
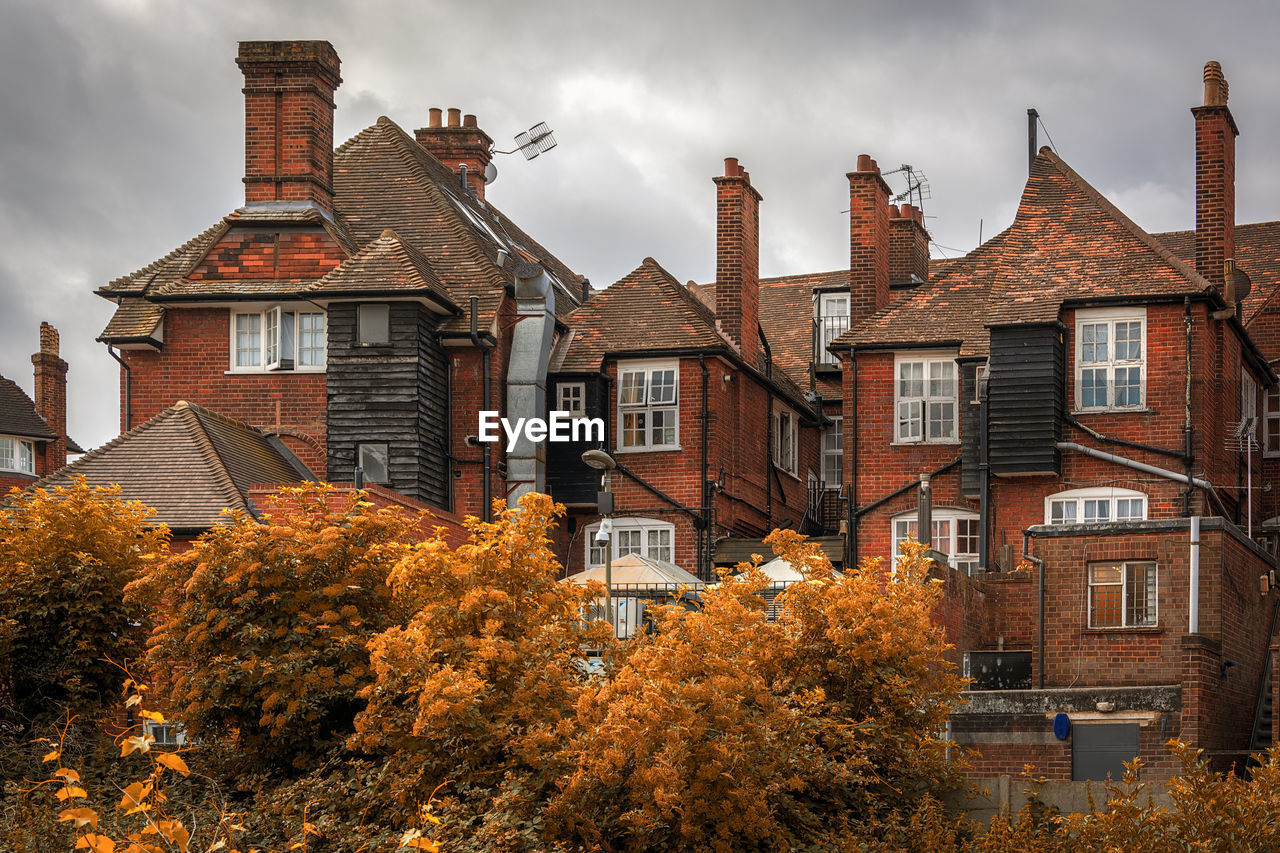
(1188,458)
(984,483)
(924,513)
(1149,469)
(704,534)
(128,388)
(768,451)
(1193,607)
(1026,555)
(851,446)
(527,378)
(485,346)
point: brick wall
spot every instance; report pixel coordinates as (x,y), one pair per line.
(302,254)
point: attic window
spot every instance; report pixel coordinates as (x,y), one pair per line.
(17,454)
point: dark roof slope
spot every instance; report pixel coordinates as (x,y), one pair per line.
(18,415)
(388,265)
(187,462)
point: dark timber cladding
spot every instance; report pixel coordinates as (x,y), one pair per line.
(569,480)
(395,393)
(970,481)
(1026,395)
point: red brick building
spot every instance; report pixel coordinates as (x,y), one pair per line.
(33,433)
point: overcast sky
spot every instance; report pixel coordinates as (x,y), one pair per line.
(121,125)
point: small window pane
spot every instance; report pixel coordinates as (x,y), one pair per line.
(311,340)
(628,542)
(26,457)
(664,427)
(1062,512)
(571,394)
(633,426)
(631,391)
(662,389)
(1093,388)
(1097,510)
(7,454)
(248,340)
(374,323)
(373,462)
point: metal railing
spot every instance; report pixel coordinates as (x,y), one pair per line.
(825,509)
(826,330)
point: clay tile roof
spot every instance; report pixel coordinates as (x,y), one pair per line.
(134,320)
(387,265)
(1257,253)
(1068,242)
(18,415)
(172,266)
(187,462)
(646,310)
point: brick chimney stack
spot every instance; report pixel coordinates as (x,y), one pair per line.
(1216,134)
(51,398)
(738,258)
(460,143)
(288,120)
(868,240)
(908,245)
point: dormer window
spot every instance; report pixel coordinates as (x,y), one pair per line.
(276,339)
(831,320)
(17,454)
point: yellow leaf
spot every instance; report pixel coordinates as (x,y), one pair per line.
(153,716)
(134,795)
(135,699)
(173,762)
(138,743)
(95,843)
(67,773)
(51,756)
(296,845)
(309,829)
(71,792)
(175,832)
(81,816)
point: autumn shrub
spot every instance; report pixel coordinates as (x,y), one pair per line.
(263,625)
(66,556)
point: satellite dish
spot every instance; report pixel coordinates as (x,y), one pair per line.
(490,173)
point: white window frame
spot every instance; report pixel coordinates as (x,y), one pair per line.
(571,397)
(280,337)
(832,304)
(1109,318)
(1249,402)
(1127,592)
(1084,506)
(946,525)
(647,536)
(1271,422)
(833,456)
(919,428)
(640,408)
(785,433)
(17,455)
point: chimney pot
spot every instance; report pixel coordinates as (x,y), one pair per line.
(48,339)
(895,212)
(746,176)
(864,163)
(437,116)
(731,167)
(1215,85)
(455,117)
(459,145)
(469,120)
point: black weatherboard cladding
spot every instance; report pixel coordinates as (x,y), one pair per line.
(569,480)
(970,481)
(1026,396)
(395,393)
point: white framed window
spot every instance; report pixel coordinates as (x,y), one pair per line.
(925,398)
(17,454)
(645,536)
(1095,505)
(1111,364)
(833,454)
(955,533)
(784,438)
(1249,404)
(649,405)
(1123,594)
(831,320)
(1271,422)
(571,397)
(277,338)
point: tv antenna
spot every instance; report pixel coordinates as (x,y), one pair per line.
(536,140)
(917,186)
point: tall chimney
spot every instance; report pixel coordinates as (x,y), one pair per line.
(288,120)
(1216,134)
(459,143)
(868,240)
(908,246)
(51,398)
(738,258)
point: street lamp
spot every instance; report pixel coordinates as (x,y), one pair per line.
(605,463)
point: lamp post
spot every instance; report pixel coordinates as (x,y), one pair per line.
(603,462)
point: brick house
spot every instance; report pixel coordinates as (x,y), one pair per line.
(361,307)
(1080,397)
(33,433)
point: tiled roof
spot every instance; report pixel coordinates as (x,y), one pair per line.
(1257,253)
(135,319)
(383,179)
(646,310)
(187,462)
(387,265)
(18,415)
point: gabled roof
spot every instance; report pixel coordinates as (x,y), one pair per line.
(387,266)
(189,463)
(18,415)
(383,179)
(646,310)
